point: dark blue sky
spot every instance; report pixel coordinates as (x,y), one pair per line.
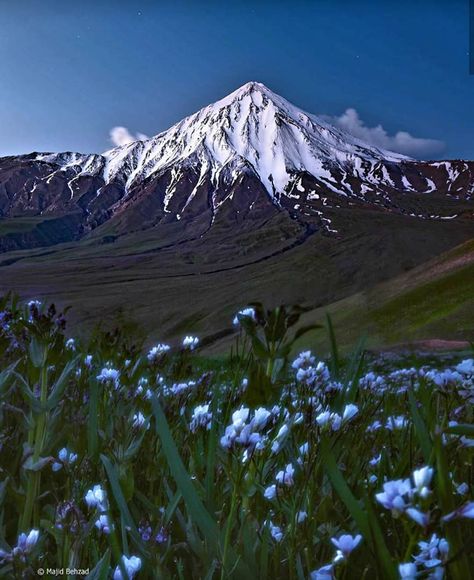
(70,72)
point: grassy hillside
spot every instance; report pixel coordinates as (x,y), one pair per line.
(433,301)
(380,276)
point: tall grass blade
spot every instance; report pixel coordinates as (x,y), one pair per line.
(121,503)
(101,570)
(335,359)
(420,428)
(193,502)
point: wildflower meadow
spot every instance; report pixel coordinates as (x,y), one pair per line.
(119,461)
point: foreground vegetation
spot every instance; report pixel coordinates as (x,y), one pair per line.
(118,463)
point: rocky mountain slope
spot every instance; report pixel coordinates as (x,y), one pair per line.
(250,152)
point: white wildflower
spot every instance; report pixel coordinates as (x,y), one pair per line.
(109,375)
(65,457)
(103,524)
(432,553)
(407,571)
(324,573)
(270,492)
(286,476)
(71,344)
(96,498)
(157,351)
(139,421)
(396,495)
(421,518)
(245,313)
(201,418)
(346,543)
(466,367)
(132,565)
(422,479)
(190,342)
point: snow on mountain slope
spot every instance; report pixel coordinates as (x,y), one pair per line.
(253,123)
(248,143)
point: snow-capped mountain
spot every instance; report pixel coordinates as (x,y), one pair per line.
(249,151)
(250,126)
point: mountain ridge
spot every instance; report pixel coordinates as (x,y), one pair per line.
(215,157)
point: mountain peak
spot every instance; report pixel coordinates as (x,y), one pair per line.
(251,149)
(256,91)
(253,86)
(251,128)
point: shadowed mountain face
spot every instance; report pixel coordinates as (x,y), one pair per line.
(248,185)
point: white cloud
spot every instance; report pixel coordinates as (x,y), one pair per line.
(401,142)
(122,136)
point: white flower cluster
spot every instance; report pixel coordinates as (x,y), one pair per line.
(142,389)
(460,379)
(345,545)
(139,420)
(24,546)
(431,558)
(190,342)
(275,531)
(177,389)
(71,344)
(392,423)
(96,498)
(201,418)
(245,313)
(65,457)
(316,376)
(157,352)
(245,432)
(132,566)
(284,478)
(109,376)
(401,495)
(333,421)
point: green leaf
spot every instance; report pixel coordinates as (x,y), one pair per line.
(264,549)
(366,522)
(59,386)
(135,445)
(278,366)
(459,567)
(3,489)
(194,505)
(212,450)
(193,502)
(342,489)
(211,571)
(384,560)
(172,506)
(259,348)
(28,394)
(93,420)
(5,377)
(38,465)
(37,352)
(461,429)
(120,500)
(420,428)
(101,569)
(354,371)
(335,360)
